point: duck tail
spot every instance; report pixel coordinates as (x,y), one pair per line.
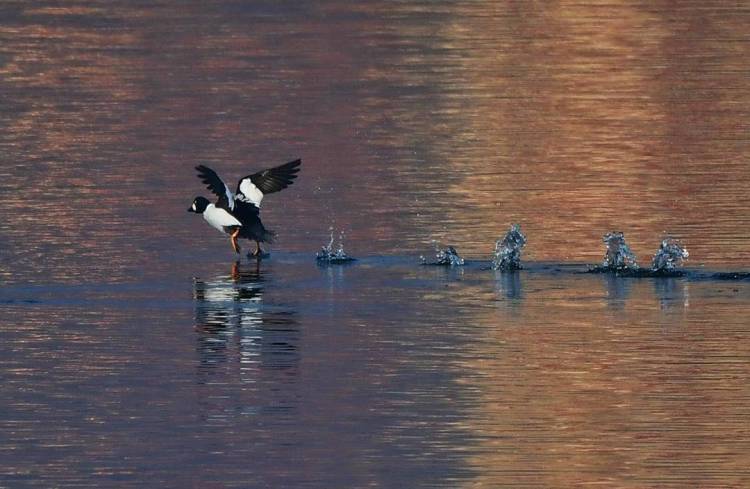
(268,236)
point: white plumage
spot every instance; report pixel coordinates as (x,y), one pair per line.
(231,211)
(250,192)
(230,196)
(218,218)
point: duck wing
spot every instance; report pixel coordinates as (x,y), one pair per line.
(253,188)
(217,186)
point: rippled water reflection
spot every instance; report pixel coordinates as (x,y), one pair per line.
(136,352)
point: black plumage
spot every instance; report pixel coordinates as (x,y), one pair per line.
(217,186)
(273,179)
(244,204)
(252,227)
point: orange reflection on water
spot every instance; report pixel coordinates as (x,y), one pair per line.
(583,392)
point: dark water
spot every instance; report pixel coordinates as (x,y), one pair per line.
(134,352)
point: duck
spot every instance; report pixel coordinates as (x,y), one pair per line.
(238,214)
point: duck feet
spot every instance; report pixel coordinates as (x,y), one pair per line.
(258,253)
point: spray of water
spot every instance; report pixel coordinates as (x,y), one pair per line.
(444,256)
(329,255)
(508,250)
(619,255)
(669,256)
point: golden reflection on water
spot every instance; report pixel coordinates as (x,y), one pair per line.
(576,118)
(585,392)
(437,122)
(416,121)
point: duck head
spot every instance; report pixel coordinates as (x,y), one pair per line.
(199,205)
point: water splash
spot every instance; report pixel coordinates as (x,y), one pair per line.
(328,256)
(669,256)
(508,250)
(619,255)
(444,256)
(621,260)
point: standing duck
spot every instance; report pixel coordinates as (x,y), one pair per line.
(238,214)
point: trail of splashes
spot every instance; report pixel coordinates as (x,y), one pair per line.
(619,255)
(444,256)
(621,261)
(327,254)
(508,250)
(669,256)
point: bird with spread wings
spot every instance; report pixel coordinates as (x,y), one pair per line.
(238,214)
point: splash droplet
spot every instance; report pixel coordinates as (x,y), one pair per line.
(508,250)
(327,255)
(669,256)
(444,256)
(619,255)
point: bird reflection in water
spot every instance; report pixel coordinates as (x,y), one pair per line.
(241,339)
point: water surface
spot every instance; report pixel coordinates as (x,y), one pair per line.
(136,352)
